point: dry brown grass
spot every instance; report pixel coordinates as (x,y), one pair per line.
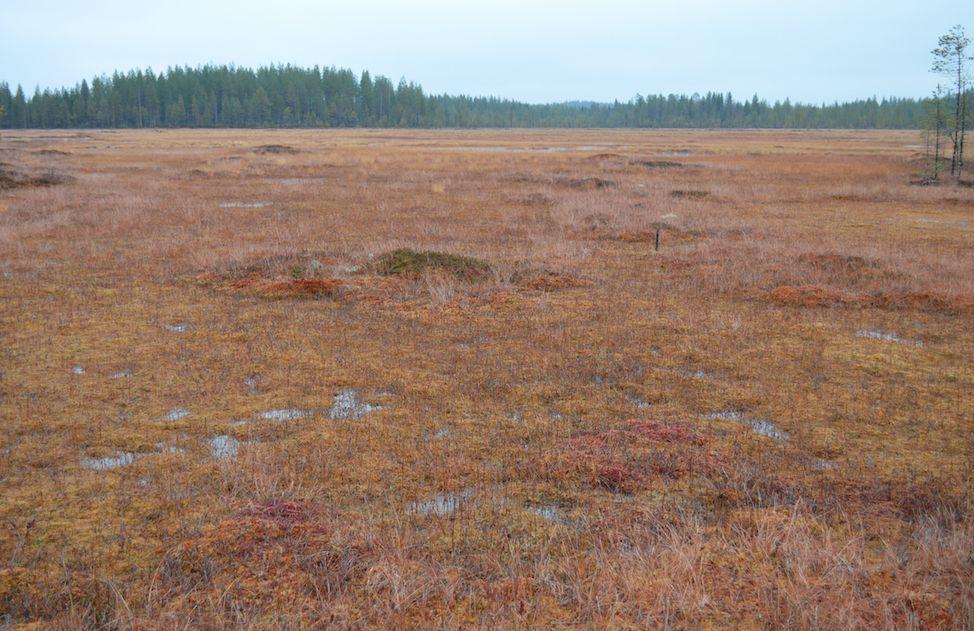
(766,423)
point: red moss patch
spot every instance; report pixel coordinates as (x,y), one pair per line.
(634,430)
(551,281)
(284,512)
(595,441)
(637,236)
(809,296)
(618,477)
(271,553)
(634,457)
(668,235)
(506,590)
(661,432)
(268,525)
(285,287)
(818,296)
(836,262)
(923,301)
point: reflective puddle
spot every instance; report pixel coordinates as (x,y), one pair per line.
(176,414)
(223,447)
(441,504)
(637,401)
(759,426)
(167,448)
(887,336)
(253,383)
(820,464)
(726,415)
(108,463)
(348,405)
(443,432)
(301,180)
(769,429)
(549,512)
(245,204)
(289,414)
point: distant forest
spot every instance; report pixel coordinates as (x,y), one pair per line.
(288,96)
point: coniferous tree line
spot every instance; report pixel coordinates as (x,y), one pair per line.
(289,96)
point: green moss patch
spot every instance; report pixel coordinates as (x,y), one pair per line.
(408,262)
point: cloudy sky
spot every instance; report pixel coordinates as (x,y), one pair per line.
(531,50)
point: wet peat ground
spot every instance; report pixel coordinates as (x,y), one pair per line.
(413,379)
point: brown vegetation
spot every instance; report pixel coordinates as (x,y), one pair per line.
(816,296)
(286,287)
(276,149)
(476,395)
(689,194)
(10,178)
(659,164)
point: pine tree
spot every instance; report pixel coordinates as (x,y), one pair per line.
(933,133)
(950,59)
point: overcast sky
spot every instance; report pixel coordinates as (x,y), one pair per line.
(536,51)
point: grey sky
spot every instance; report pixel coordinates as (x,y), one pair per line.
(527,50)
